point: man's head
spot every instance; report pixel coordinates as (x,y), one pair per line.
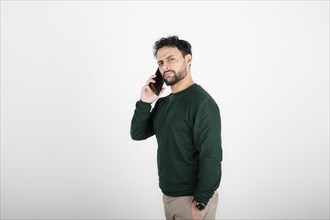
(174,58)
(173,41)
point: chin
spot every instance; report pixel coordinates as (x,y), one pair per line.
(170,83)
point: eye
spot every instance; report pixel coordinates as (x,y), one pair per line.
(172,59)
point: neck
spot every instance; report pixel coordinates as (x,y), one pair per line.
(182,84)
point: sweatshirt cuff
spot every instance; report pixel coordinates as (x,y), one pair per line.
(201,199)
(143,106)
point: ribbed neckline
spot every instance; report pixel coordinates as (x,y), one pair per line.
(186,90)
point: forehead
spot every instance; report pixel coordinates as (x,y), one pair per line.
(166,51)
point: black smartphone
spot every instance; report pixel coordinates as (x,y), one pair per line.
(158,85)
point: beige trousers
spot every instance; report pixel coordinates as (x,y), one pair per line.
(179,208)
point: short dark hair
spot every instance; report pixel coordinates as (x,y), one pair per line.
(173,41)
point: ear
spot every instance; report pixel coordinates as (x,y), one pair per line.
(188,58)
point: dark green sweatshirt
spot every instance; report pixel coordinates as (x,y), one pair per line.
(188,130)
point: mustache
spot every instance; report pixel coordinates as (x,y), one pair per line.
(168,71)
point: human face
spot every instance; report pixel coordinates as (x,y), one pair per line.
(172,65)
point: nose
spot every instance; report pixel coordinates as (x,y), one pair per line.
(165,67)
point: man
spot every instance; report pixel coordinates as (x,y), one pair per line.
(187,128)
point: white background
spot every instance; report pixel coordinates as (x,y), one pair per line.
(71,73)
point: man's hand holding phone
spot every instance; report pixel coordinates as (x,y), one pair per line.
(147,94)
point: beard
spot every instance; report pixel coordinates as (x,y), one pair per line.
(178,76)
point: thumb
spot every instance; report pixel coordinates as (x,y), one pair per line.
(161,91)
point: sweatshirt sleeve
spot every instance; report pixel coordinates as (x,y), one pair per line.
(207,139)
(141,124)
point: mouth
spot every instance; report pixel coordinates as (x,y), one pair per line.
(168,73)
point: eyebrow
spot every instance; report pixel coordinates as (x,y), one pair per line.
(165,58)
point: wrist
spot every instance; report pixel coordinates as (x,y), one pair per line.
(198,205)
(144,102)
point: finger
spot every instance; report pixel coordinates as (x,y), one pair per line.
(146,88)
(151,79)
